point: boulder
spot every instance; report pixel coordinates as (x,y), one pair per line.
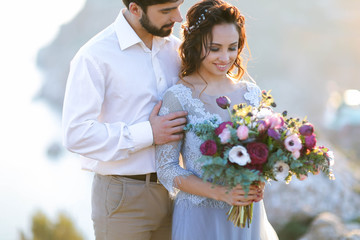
(328,226)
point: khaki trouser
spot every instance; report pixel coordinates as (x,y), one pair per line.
(127,209)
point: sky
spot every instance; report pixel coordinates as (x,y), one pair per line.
(28,180)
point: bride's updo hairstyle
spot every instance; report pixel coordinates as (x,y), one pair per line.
(197,32)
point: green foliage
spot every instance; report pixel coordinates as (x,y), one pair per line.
(204,130)
(295,228)
(356,220)
(44,229)
(219,171)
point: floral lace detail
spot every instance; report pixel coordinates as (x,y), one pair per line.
(253,94)
(164,111)
(167,169)
(178,98)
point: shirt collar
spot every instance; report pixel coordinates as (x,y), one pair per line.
(122,27)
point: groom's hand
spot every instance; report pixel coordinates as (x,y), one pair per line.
(169,127)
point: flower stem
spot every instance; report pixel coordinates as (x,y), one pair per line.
(241,216)
(231,117)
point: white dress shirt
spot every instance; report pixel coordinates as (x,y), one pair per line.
(113,85)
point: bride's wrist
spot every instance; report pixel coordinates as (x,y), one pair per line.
(217,192)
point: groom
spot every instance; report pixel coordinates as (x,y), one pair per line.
(110,116)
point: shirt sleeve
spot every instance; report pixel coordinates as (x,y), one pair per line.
(168,155)
(83,133)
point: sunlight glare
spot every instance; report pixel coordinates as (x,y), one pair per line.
(352,97)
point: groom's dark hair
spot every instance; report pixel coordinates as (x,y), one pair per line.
(145,3)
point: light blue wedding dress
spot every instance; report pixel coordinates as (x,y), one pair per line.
(195,217)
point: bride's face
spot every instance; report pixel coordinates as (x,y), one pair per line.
(223,50)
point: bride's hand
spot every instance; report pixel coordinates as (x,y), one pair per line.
(237,196)
(260,187)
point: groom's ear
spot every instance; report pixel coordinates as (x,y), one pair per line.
(135,9)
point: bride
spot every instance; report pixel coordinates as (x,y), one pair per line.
(213,38)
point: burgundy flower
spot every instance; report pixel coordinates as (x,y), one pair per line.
(258,152)
(310,141)
(306,129)
(221,127)
(208,148)
(223,102)
(274,134)
(258,167)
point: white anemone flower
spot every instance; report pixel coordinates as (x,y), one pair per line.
(239,155)
(264,112)
(281,170)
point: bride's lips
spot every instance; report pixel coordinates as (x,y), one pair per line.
(221,67)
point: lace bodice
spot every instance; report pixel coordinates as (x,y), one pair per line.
(178,98)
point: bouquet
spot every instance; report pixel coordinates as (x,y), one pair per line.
(258,144)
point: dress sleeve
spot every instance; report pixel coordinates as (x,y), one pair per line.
(253,94)
(168,155)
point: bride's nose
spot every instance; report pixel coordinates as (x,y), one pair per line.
(224,56)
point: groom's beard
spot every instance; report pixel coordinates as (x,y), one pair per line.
(150,28)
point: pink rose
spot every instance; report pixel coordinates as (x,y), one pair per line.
(310,141)
(293,143)
(296,154)
(302,177)
(208,148)
(306,129)
(258,152)
(221,127)
(276,121)
(225,136)
(242,132)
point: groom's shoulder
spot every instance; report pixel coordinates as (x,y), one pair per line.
(174,41)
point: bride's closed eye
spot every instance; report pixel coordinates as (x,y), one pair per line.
(232,47)
(214,49)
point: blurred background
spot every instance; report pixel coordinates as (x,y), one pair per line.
(307,52)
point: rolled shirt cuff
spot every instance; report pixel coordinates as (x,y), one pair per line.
(142,135)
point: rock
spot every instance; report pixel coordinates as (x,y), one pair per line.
(326,226)
(352,235)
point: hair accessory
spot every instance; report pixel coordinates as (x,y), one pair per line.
(198,22)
